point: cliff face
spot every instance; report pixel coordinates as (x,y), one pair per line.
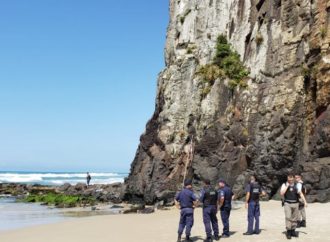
(279,123)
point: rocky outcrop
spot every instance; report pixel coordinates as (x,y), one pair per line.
(101,193)
(280,123)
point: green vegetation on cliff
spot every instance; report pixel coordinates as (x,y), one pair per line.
(226,63)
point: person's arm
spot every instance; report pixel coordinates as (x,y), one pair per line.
(195,201)
(284,188)
(299,188)
(262,192)
(303,198)
(247,196)
(176,201)
(221,198)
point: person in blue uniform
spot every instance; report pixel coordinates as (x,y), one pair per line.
(187,201)
(225,196)
(209,198)
(253,191)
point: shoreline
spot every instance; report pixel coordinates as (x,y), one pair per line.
(161,226)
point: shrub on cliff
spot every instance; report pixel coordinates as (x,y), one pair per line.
(225,63)
(210,73)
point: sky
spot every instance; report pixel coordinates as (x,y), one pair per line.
(77,81)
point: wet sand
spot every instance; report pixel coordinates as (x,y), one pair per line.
(162,227)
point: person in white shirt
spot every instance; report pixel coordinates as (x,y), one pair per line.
(291,194)
(302,212)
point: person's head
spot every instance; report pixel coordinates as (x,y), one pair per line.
(297,177)
(290,178)
(252,179)
(188,183)
(222,183)
(207,182)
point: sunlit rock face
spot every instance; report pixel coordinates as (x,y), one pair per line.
(280,123)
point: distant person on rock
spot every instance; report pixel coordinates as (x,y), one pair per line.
(209,198)
(88,178)
(253,191)
(302,212)
(291,194)
(225,196)
(186,201)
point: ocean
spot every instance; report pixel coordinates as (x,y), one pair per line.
(15,215)
(59,178)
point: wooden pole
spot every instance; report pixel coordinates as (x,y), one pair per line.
(189,158)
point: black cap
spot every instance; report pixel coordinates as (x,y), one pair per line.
(187,182)
(222,181)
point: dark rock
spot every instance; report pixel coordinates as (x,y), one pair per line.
(80,186)
(279,124)
(116,207)
(147,210)
(134,208)
(64,187)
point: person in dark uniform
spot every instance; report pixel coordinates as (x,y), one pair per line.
(291,193)
(225,196)
(302,212)
(187,202)
(253,191)
(88,178)
(209,198)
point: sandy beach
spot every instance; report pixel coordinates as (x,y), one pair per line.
(162,227)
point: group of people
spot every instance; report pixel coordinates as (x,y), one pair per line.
(292,192)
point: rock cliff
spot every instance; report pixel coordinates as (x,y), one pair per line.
(279,123)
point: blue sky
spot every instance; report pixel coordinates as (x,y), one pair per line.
(77,81)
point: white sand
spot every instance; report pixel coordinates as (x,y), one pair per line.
(162,227)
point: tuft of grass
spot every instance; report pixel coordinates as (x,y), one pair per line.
(190,49)
(182,19)
(259,39)
(308,72)
(323,32)
(210,73)
(245,132)
(206,90)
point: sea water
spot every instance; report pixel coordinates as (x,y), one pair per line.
(59,178)
(15,215)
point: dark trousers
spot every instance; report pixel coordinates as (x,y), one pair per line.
(253,215)
(186,220)
(225,213)
(210,218)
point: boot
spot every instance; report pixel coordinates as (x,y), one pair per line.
(294,233)
(179,238)
(216,237)
(288,234)
(299,224)
(303,223)
(188,239)
(208,239)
